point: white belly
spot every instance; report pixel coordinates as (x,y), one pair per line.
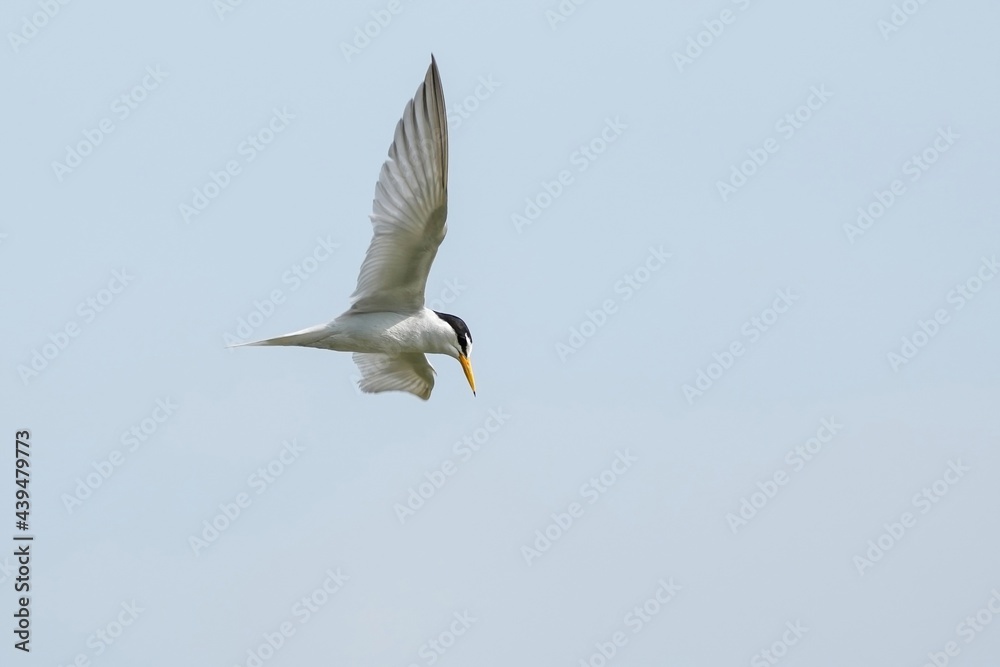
(389,333)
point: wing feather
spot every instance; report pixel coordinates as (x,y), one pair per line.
(410,206)
(409,372)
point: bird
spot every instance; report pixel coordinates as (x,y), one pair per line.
(387,326)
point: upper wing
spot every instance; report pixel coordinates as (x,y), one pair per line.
(403,372)
(410,207)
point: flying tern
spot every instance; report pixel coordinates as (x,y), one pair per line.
(387,326)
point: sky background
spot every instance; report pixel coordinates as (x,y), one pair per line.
(739,138)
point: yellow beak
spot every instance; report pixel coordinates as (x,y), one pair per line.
(467,367)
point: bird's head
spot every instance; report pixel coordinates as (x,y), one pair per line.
(461,345)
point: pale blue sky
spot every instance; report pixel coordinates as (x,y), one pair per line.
(690,356)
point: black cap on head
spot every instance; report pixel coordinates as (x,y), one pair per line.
(461,330)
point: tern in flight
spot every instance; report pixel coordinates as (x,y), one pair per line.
(387,327)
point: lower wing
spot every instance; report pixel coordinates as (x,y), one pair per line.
(409,372)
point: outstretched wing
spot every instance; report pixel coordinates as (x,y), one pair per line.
(395,372)
(410,207)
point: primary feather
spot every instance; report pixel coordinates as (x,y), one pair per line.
(410,206)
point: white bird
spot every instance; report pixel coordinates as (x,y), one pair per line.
(387,326)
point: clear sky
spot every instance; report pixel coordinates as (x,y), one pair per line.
(731,268)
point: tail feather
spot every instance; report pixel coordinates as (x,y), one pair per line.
(305,338)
